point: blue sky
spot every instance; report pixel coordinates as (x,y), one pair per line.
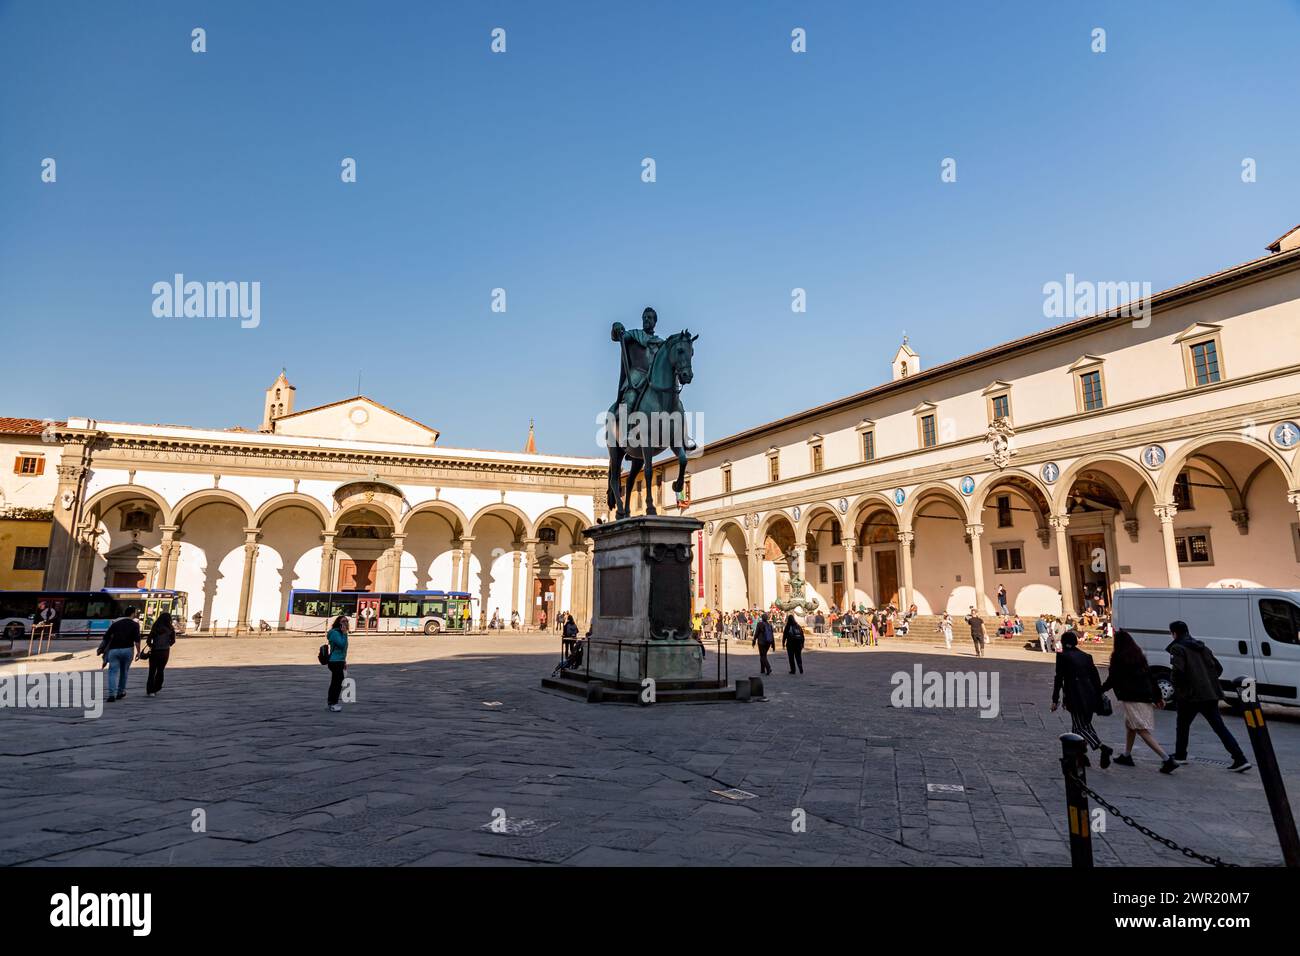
(522,171)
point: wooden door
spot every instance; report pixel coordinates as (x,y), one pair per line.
(1087,551)
(544,600)
(356,575)
(886,578)
(127,579)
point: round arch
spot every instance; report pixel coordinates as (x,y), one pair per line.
(768,523)
(453,515)
(379,506)
(1176,463)
(501,509)
(577,521)
(720,533)
(1061,493)
(101,498)
(1022,482)
(211,496)
(867,502)
(810,513)
(929,492)
(290,499)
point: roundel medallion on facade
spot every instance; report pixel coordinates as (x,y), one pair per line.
(844,506)
(358,416)
(1153,456)
(1050,472)
(968,485)
(796,512)
(899,496)
(1285,434)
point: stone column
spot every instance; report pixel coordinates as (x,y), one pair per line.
(755,590)
(514,577)
(166,556)
(466,545)
(589,586)
(713,586)
(327,553)
(850,572)
(60,562)
(977,561)
(577,589)
(905,539)
(1059,525)
(251,536)
(530,550)
(395,572)
(1165,513)
(454,585)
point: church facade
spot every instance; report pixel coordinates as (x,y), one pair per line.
(1107,452)
(350,495)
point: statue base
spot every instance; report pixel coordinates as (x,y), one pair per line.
(641,633)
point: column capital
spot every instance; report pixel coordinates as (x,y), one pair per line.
(1294,498)
(466,540)
(849,541)
(251,535)
(398,537)
(168,530)
(975,530)
(1058,522)
(328,536)
(907,537)
(1165,512)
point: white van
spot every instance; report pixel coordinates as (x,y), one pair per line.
(1254,632)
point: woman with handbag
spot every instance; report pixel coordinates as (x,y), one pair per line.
(162,635)
(1130,677)
(338,660)
(117,648)
(1076,674)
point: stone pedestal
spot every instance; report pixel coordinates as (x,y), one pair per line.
(641,624)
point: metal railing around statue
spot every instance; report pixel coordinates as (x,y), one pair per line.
(573,655)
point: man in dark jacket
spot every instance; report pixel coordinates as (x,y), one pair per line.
(1076,674)
(1196,689)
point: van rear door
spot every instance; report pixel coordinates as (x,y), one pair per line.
(1221,619)
(1276,621)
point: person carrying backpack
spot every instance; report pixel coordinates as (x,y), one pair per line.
(764,639)
(1196,689)
(338,660)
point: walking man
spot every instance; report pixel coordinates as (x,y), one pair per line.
(976,631)
(1044,632)
(1196,689)
(1076,674)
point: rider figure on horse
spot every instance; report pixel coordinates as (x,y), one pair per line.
(638,348)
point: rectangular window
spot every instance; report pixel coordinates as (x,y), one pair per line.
(821,574)
(1009,559)
(1005,519)
(837,574)
(1001,406)
(29,465)
(1281,620)
(30,559)
(1194,548)
(816,458)
(774,469)
(835,534)
(868,446)
(1183,492)
(433,607)
(929,437)
(1090,384)
(726,481)
(1205,363)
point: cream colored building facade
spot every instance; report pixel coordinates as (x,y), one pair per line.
(1131,453)
(345,496)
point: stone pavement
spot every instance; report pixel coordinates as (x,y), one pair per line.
(448,734)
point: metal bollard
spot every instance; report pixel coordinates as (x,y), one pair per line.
(1074,758)
(1269,772)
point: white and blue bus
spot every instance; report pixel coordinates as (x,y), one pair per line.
(86,613)
(411,612)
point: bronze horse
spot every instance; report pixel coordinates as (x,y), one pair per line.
(655,422)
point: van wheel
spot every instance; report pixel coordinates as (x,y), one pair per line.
(432,627)
(1165,681)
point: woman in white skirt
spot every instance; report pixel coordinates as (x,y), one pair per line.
(1131,680)
(945,628)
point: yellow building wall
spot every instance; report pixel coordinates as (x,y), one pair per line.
(16,534)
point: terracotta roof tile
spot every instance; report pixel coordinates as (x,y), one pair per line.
(24,426)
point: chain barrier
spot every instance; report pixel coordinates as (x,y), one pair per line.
(1147,831)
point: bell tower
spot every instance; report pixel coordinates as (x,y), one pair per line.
(906,361)
(278,403)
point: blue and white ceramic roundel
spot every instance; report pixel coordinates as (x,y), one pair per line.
(1286,434)
(1051,471)
(1153,456)
(899,496)
(968,485)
